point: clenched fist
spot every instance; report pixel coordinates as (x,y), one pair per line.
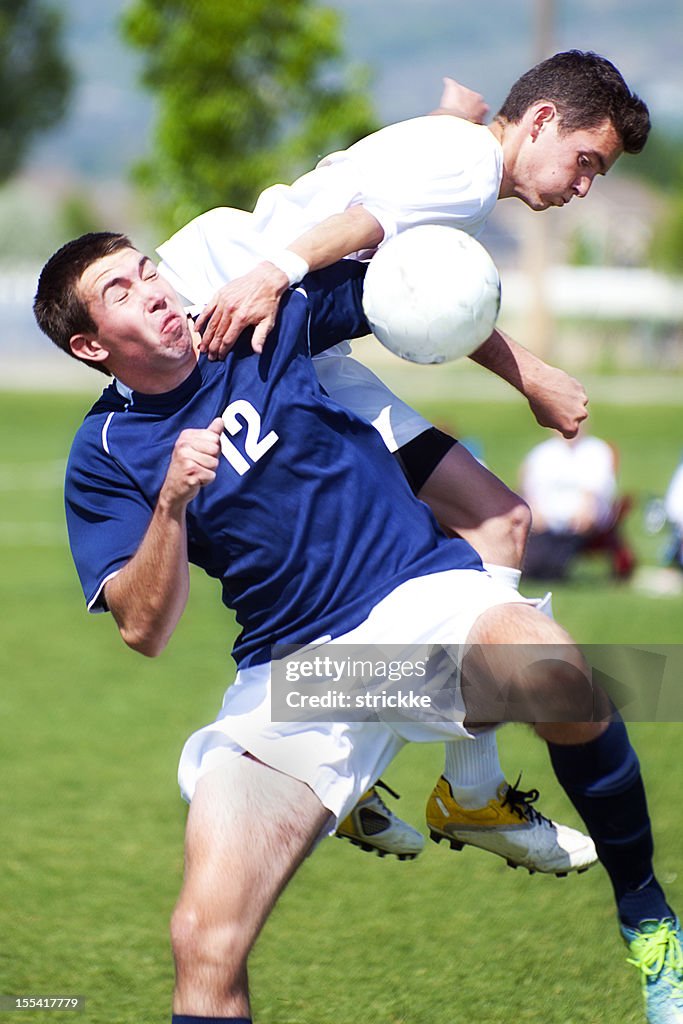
(193,464)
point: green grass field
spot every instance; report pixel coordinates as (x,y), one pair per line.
(92,824)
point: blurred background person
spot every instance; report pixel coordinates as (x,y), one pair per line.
(673,507)
(571,488)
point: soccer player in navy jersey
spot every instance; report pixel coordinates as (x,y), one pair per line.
(563,123)
(249,470)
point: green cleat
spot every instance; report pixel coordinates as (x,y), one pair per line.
(656,949)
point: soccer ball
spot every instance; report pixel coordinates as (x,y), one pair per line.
(432,294)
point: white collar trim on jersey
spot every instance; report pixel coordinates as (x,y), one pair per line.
(124,390)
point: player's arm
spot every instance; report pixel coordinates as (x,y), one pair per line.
(148,596)
(585,515)
(459,101)
(556,399)
(254,298)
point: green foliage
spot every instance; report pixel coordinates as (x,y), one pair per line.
(586,248)
(78,216)
(35,79)
(667,243)
(661,164)
(248,93)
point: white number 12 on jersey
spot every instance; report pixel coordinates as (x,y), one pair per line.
(255,446)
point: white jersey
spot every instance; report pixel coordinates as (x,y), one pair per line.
(673,501)
(558,475)
(429,170)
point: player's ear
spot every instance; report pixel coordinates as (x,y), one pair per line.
(86,346)
(542,114)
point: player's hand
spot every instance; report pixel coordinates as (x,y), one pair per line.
(193,464)
(457,99)
(584,519)
(248,301)
(558,401)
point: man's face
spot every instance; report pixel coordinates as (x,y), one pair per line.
(139,316)
(552,167)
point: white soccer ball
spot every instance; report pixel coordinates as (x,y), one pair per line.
(432,294)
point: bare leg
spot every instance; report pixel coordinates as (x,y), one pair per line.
(521,655)
(237,864)
(469,500)
(600,773)
(472,502)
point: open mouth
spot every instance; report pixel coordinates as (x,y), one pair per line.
(169,321)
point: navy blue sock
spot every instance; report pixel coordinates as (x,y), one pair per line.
(181,1018)
(602,779)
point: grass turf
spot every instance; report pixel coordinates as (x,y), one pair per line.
(92,823)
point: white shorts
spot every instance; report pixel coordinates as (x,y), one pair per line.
(341,760)
(354,386)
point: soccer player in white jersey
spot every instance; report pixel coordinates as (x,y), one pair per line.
(563,123)
(249,470)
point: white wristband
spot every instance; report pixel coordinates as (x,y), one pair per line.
(293,266)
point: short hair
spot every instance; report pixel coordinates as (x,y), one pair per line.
(58,307)
(587,89)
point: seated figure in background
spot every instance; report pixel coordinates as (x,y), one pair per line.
(571,488)
(673,507)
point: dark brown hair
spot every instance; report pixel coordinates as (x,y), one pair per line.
(587,90)
(58,308)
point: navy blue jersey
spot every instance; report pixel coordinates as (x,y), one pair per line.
(309,522)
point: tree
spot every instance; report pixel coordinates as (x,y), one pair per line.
(666,251)
(249,93)
(661,162)
(35,79)
(661,165)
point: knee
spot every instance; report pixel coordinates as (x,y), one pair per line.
(506,532)
(522,667)
(542,690)
(185,932)
(202,944)
(518,528)
(557,689)
(189,935)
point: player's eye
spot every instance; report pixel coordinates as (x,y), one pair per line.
(148,270)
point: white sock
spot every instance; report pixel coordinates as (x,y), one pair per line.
(504,574)
(472,767)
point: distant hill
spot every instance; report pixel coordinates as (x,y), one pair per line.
(409,44)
